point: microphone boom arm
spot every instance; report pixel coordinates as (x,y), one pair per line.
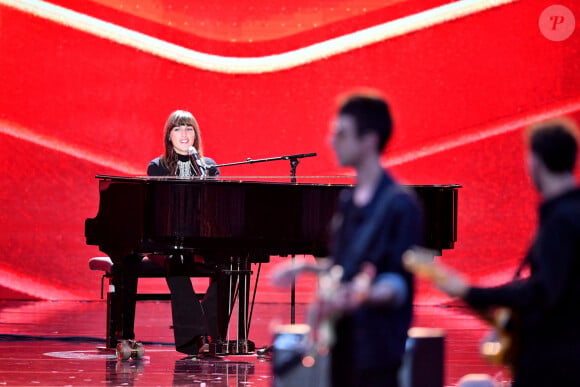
(252,161)
(294,160)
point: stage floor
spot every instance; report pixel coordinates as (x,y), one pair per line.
(48,343)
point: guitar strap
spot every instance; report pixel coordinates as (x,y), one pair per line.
(523,264)
(367,233)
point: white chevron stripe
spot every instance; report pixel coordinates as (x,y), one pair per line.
(55,144)
(24,283)
(255,65)
(484,131)
(479,134)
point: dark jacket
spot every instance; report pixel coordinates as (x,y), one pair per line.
(548,301)
(156,167)
(374,335)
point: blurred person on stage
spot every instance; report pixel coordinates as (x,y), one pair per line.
(376,222)
(545,302)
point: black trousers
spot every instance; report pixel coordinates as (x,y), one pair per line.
(347,371)
(348,376)
(192,317)
(548,373)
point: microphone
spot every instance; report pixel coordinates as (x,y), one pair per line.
(198,164)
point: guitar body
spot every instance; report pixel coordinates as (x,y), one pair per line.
(501,345)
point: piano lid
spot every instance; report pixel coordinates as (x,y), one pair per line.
(346,180)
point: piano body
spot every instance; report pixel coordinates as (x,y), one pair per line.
(232,222)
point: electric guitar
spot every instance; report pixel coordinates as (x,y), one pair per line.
(332,296)
(501,344)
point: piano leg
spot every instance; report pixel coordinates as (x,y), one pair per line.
(243,304)
(224,304)
(234,282)
(226,285)
(122,300)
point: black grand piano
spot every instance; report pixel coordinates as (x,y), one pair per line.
(234,222)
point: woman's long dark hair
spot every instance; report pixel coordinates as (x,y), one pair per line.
(178,118)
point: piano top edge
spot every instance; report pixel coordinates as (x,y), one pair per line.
(270,180)
(257,179)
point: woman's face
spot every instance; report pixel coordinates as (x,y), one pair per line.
(182,137)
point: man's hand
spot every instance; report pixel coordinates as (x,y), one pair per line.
(284,274)
(348,296)
(451,282)
(421,262)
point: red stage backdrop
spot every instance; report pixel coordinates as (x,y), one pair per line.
(85,88)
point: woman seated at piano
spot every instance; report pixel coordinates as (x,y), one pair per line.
(194,320)
(183,154)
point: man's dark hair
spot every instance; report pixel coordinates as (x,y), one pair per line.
(371,114)
(555,143)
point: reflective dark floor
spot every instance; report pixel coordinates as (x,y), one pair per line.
(47,343)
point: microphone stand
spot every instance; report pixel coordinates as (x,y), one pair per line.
(294,161)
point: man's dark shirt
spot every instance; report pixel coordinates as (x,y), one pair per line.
(548,301)
(374,336)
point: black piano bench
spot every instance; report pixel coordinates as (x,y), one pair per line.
(146,269)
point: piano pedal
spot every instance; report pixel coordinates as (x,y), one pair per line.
(233,347)
(130,349)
